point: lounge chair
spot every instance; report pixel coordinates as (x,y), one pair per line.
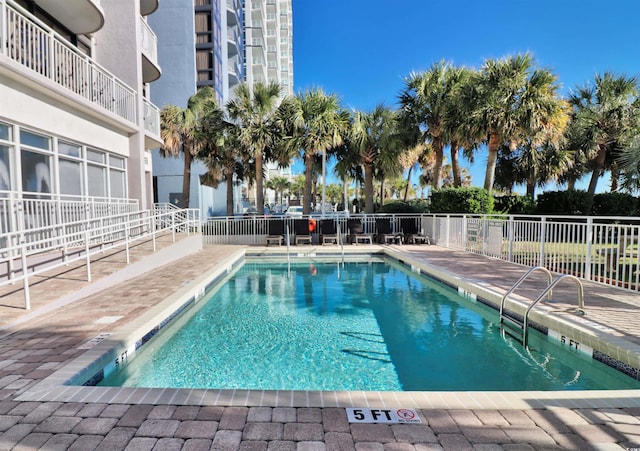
(385,234)
(356,232)
(275,231)
(328,231)
(301,230)
(413,235)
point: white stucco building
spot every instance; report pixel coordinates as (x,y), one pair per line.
(76,119)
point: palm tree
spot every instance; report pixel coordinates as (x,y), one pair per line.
(279,185)
(605,117)
(375,137)
(318,125)
(513,101)
(253,111)
(224,156)
(178,129)
(426,94)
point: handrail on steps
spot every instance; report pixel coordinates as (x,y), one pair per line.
(522,279)
(579,311)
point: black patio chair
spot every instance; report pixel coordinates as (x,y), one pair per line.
(275,231)
(412,234)
(356,232)
(301,231)
(385,233)
(328,231)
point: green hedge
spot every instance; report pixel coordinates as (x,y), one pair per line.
(615,204)
(461,200)
(514,204)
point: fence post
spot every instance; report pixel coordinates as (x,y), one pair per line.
(152,220)
(589,254)
(543,231)
(87,250)
(126,237)
(510,236)
(25,272)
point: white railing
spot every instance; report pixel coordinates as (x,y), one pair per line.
(30,42)
(149,41)
(18,212)
(601,249)
(27,253)
(151,118)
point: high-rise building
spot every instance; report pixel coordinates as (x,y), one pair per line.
(76,121)
(269,42)
(208,43)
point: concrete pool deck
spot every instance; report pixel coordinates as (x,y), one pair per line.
(32,350)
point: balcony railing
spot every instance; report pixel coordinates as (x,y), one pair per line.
(151,118)
(149,41)
(34,45)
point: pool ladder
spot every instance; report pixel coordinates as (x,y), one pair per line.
(519,329)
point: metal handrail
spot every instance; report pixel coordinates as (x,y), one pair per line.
(99,233)
(522,279)
(579,311)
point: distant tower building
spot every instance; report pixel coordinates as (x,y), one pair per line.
(205,43)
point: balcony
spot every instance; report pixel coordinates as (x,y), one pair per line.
(33,45)
(79,16)
(148,6)
(150,67)
(151,119)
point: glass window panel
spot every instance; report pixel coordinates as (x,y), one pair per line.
(116,162)
(33,140)
(70,177)
(117,180)
(94,155)
(71,150)
(97,178)
(5,168)
(36,172)
(5,132)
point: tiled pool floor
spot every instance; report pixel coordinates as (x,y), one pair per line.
(33,350)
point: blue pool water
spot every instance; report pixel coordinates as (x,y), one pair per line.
(361,326)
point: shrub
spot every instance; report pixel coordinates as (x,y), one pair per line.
(514,204)
(615,204)
(572,202)
(461,200)
(398,207)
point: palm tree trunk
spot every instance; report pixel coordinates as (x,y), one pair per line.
(345,193)
(229,178)
(595,175)
(406,190)
(489,175)
(308,173)
(382,192)
(455,167)
(259,183)
(438,147)
(368,188)
(531,186)
(186,178)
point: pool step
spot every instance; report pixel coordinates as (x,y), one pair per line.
(513,327)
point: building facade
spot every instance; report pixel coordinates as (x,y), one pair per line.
(207,43)
(76,120)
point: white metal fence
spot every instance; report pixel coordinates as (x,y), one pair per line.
(601,249)
(44,245)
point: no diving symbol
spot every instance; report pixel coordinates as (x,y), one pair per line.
(406,414)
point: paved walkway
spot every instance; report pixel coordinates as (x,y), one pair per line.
(35,349)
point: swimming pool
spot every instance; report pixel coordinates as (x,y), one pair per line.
(363,326)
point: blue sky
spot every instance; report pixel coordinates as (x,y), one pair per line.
(362,49)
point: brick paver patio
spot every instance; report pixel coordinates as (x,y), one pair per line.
(31,351)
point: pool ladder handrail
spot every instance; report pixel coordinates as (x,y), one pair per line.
(524,325)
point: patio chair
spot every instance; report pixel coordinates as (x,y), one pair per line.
(275,231)
(385,234)
(356,232)
(328,231)
(301,230)
(413,235)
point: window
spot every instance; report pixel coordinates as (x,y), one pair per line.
(70,168)
(36,172)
